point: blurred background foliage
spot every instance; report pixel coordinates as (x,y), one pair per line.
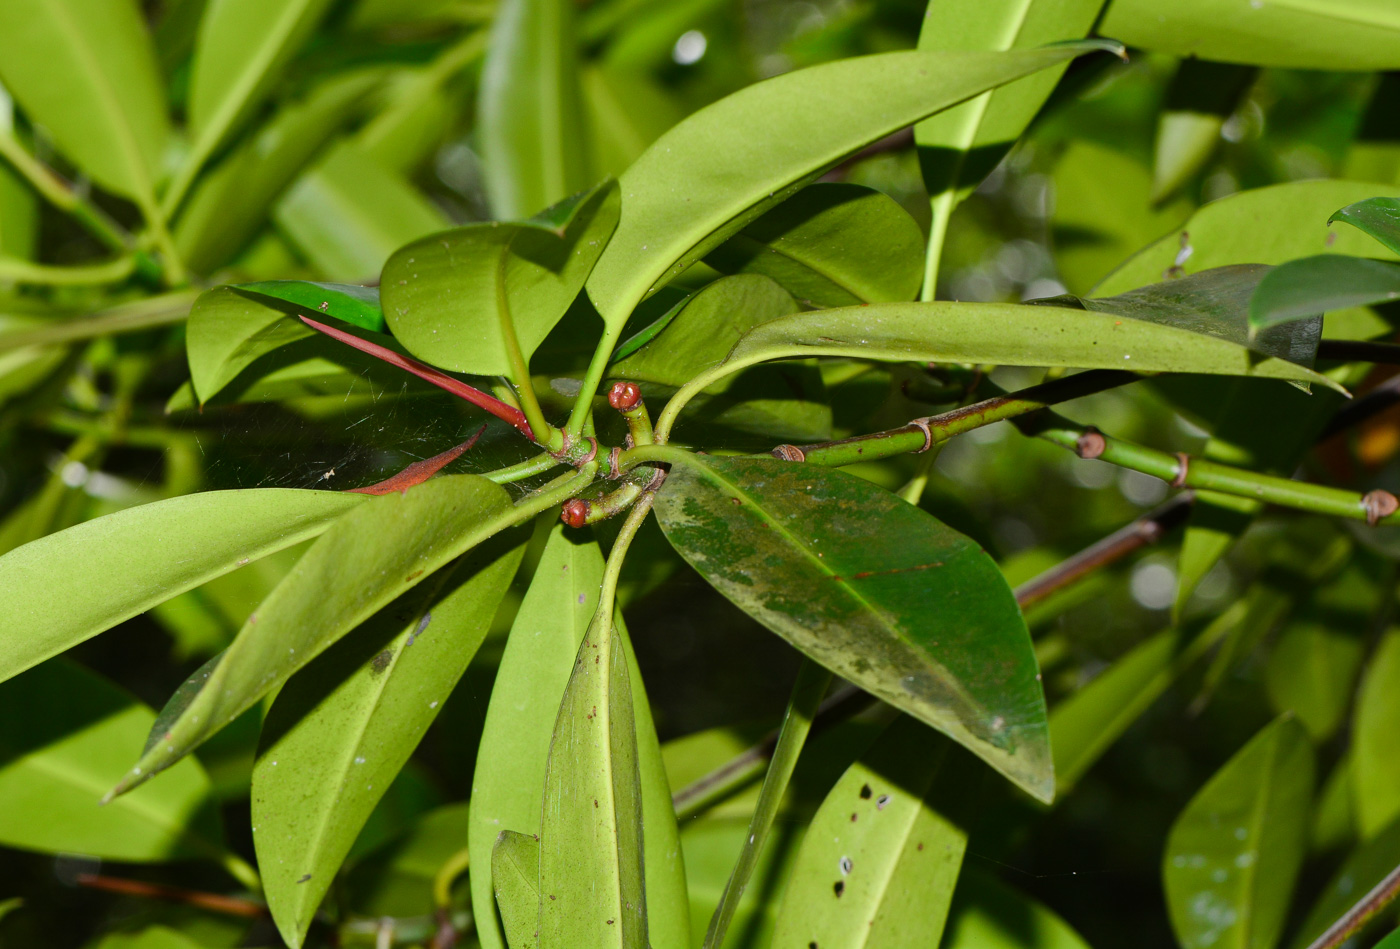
(369,139)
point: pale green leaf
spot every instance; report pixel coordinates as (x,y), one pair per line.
(749,151)
(124,563)
(342,727)
(65,737)
(515,873)
(365,561)
(1296,34)
(1202,95)
(85,70)
(1310,672)
(1374,724)
(879,862)
(988,914)
(1234,853)
(530,111)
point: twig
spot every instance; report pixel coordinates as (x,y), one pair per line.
(214,902)
(1381,896)
(1143,532)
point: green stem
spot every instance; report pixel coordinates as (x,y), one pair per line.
(597,366)
(807,693)
(446,875)
(1183,471)
(175,274)
(127,318)
(23,271)
(62,195)
(545,434)
(525,469)
(942,206)
(386,124)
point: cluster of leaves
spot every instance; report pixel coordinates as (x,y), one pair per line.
(639,224)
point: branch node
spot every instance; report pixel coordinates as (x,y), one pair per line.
(789,453)
(1379,504)
(922,425)
(1183,464)
(1091,444)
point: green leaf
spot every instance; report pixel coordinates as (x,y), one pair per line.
(1310,673)
(862,582)
(530,110)
(1103,213)
(1294,34)
(988,914)
(831,245)
(1202,95)
(1234,852)
(591,886)
(751,150)
(1379,217)
(366,560)
(513,755)
(358,306)
(117,566)
(227,331)
(342,727)
(397,878)
(1084,725)
(515,871)
(152,937)
(1364,867)
(349,213)
(1270,225)
(710,846)
(86,72)
(960,147)
(240,50)
(456,299)
(879,862)
(703,328)
(1111,336)
(1306,288)
(627,110)
(1389,942)
(1374,724)
(65,735)
(230,204)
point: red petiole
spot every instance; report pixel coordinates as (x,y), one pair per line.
(419,471)
(427,373)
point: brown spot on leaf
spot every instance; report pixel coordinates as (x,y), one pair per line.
(379,663)
(839,888)
(865,792)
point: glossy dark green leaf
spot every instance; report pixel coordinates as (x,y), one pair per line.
(702,329)
(749,151)
(1021,335)
(1310,672)
(1374,724)
(358,306)
(342,727)
(960,147)
(85,70)
(240,50)
(362,563)
(988,914)
(1202,95)
(1269,225)
(1364,867)
(454,299)
(1312,286)
(1297,34)
(530,110)
(125,563)
(512,757)
(230,204)
(878,864)
(1234,852)
(591,886)
(1103,213)
(863,583)
(348,213)
(65,735)
(515,873)
(1379,217)
(831,245)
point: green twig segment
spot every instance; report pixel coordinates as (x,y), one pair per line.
(812,683)
(63,196)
